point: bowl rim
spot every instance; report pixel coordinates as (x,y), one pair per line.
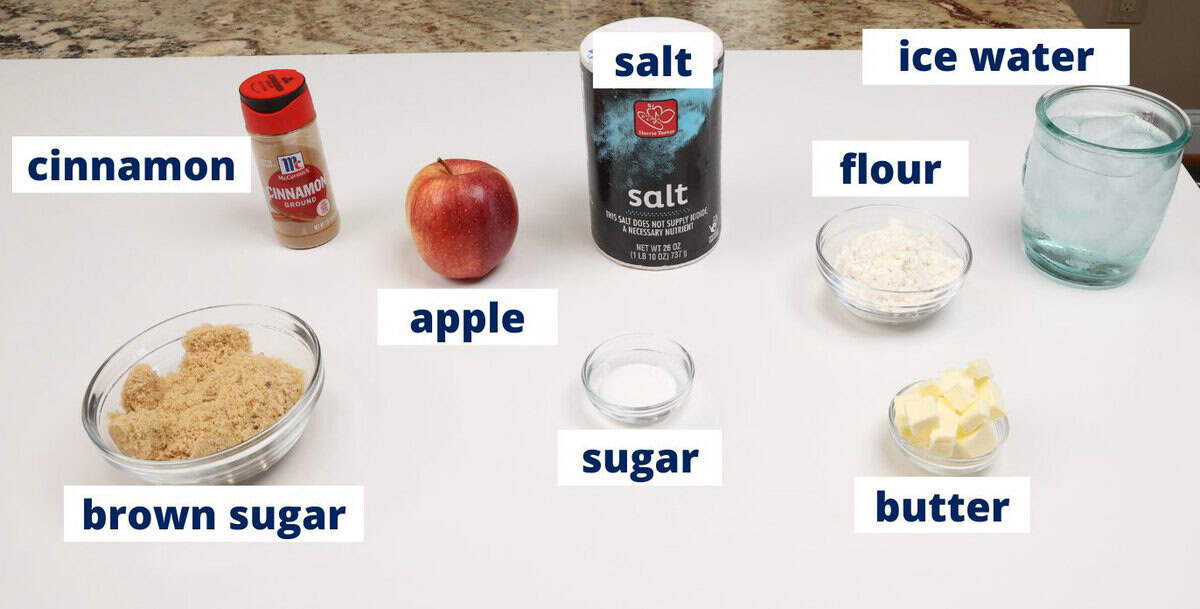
(902,443)
(298,410)
(650,410)
(967,257)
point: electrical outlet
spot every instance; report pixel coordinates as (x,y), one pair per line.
(1127,11)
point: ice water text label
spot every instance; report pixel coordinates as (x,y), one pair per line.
(165,165)
(652,60)
(941,505)
(995,57)
(467,317)
(891,168)
(213,513)
(639,457)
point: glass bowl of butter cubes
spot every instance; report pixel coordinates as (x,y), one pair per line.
(954,424)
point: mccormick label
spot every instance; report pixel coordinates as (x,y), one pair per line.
(297,190)
(654,167)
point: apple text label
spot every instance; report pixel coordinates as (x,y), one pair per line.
(844,168)
(995,57)
(472,321)
(467,317)
(652,60)
(639,457)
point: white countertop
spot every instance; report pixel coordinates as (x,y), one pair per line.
(456,446)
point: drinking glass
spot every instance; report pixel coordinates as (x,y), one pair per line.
(1098,176)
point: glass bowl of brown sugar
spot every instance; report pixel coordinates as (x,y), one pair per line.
(213,396)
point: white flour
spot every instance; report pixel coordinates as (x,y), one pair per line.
(898,258)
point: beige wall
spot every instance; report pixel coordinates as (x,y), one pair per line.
(1165,48)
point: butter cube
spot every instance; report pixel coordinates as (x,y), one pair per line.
(990,394)
(942,442)
(946,413)
(975,415)
(976,444)
(920,412)
(979,369)
(926,388)
(929,389)
(951,379)
(942,438)
(919,441)
(959,398)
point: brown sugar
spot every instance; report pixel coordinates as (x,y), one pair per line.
(222,395)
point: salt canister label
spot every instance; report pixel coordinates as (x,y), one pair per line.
(654,169)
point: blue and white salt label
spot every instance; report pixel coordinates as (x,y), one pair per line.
(213,513)
(652,60)
(153,164)
(995,57)
(935,504)
(639,457)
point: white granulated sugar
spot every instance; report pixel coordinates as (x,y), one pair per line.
(638,385)
(898,258)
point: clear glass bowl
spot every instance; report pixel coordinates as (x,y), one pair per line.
(274,332)
(608,360)
(888,306)
(945,466)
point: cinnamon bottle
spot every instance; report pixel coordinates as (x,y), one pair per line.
(281,121)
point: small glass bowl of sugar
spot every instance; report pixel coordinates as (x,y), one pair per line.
(892,264)
(638,378)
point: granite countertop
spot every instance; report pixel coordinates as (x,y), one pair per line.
(142,28)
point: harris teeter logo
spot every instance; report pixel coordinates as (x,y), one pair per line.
(656,118)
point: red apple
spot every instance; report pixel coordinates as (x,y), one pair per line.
(462,215)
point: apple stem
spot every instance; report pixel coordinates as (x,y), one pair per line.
(447,167)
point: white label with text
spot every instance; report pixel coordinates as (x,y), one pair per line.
(213,513)
(995,57)
(652,60)
(639,457)
(467,317)
(137,165)
(889,168)
(932,504)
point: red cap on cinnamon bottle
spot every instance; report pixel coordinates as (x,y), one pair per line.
(276,101)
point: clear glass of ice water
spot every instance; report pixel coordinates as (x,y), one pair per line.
(1098,176)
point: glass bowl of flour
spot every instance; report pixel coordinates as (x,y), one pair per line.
(892,264)
(638,378)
